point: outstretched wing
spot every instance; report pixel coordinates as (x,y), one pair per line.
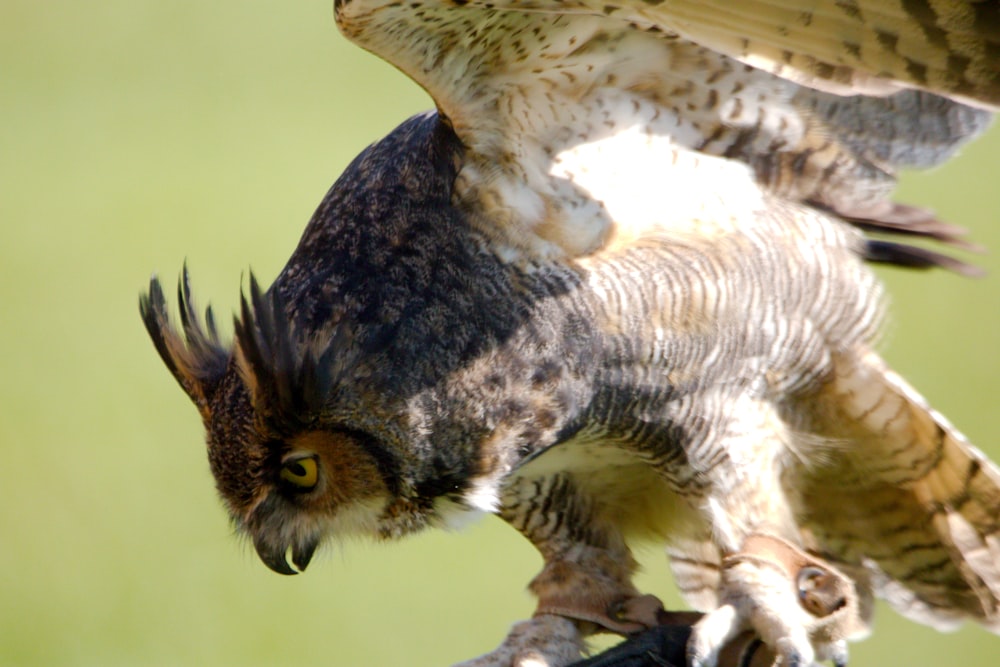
(855,46)
(818,102)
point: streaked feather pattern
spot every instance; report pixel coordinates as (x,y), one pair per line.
(616,289)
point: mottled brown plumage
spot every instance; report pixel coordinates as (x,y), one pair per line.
(613,290)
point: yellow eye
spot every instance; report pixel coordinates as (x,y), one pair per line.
(302,473)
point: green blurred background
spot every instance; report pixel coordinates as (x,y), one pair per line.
(136,134)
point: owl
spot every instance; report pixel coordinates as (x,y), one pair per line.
(617,287)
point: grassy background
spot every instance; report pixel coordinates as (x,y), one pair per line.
(135,134)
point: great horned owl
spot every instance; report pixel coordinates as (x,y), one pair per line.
(615,287)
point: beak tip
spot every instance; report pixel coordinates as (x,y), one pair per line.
(277,558)
(301,557)
(279,565)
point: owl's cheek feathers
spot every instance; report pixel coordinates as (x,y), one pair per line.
(349,471)
(286,534)
(346,497)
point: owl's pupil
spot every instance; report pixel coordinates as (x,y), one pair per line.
(297,469)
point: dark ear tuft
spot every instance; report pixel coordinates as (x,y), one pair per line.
(195,355)
(288,379)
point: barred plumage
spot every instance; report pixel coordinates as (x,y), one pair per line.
(613,290)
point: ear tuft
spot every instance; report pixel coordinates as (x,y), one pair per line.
(288,371)
(194,355)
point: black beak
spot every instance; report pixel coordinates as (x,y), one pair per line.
(276,556)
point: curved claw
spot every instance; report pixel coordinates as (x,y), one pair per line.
(642,611)
(838,653)
(795,651)
(710,634)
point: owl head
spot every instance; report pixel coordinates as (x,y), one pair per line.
(294,456)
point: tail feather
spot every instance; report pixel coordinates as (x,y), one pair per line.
(907,497)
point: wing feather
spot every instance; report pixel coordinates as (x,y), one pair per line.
(526,82)
(872,46)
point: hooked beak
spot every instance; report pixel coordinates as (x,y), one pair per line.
(275,556)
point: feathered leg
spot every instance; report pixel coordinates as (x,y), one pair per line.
(585,585)
(766,583)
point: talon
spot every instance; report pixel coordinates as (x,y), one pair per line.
(643,610)
(627,616)
(617,611)
(712,633)
(838,654)
(794,653)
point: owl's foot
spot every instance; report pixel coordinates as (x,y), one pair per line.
(594,589)
(625,616)
(576,598)
(543,641)
(801,607)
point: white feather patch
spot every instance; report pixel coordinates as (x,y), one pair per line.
(643,159)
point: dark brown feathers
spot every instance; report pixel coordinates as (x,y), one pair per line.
(195,355)
(289,373)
